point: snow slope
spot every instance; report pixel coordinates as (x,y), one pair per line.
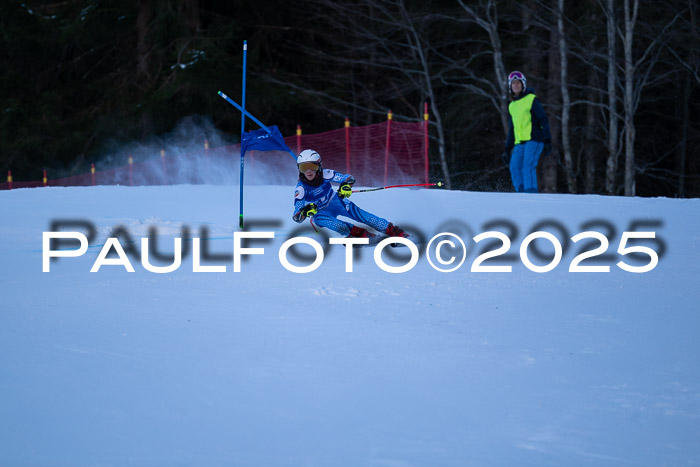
(366,368)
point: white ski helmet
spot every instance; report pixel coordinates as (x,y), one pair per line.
(309,155)
(517,75)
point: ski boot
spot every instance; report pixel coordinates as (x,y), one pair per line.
(394,231)
(358,232)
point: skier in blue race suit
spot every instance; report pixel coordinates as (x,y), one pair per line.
(314,197)
(528,136)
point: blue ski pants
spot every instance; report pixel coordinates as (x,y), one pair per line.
(523,166)
(327,217)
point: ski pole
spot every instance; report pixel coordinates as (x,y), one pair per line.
(311,221)
(397,186)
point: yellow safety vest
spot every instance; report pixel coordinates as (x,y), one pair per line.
(522,118)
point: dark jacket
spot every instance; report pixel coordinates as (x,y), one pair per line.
(540,125)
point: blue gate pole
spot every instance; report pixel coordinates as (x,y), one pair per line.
(240,217)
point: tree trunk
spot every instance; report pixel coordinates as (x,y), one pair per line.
(566,101)
(533,55)
(630,130)
(490,25)
(441,141)
(589,151)
(498,67)
(427,84)
(683,143)
(685,103)
(550,169)
(143,44)
(612,162)
(590,148)
(189,9)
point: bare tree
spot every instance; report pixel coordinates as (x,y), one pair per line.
(419,47)
(636,74)
(631,12)
(692,63)
(551,164)
(143,42)
(590,150)
(487,20)
(383,38)
(566,100)
(612,162)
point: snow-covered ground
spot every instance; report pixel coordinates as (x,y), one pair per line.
(267,367)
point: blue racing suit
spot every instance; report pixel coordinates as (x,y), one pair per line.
(330,205)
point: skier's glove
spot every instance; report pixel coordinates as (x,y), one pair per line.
(309,210)
(506,157)
(345,190)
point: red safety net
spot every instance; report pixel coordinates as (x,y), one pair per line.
(366,157)
(367,152)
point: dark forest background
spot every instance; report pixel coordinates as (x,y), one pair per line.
(619,80)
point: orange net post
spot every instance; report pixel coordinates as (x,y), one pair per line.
(425,140)
(388,144)
(9,179)
(298,139)
(44,179)
(347,145)
(92,173)
(163,167)
(203,177)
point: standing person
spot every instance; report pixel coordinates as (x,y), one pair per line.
(314,197)
(528,135)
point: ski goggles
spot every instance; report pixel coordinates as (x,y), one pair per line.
(515,75)
(304,166)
